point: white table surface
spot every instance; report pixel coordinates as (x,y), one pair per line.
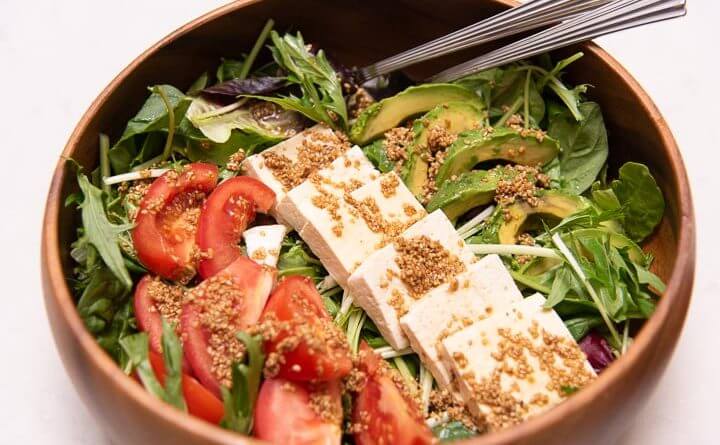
(56,56)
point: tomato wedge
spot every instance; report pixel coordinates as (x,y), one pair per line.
(165,226)
(215,311)
(200,402)
(381,413)
(305,344)
(153,301)
(225,216)
(285,413)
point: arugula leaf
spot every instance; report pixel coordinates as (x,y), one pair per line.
(488,233)
(451,431)
(137,350)
(508,96)
(173,357)
(584,145)
(198,85)
(295,260)
(206,151)
(240,399)
(580,326)
(100,232)
(376,153)
(560,287)
(641,199)
(322,99)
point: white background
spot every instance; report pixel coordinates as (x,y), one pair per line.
(56,56)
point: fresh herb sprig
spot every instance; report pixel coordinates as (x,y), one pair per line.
(322,99)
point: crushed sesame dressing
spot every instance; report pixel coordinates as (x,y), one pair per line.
(167,300)
(219,302)
(397,142)
(318,335)
(558,357)
(522,183)
(235,161)
(317,150)
(425,264)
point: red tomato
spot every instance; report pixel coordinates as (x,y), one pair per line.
(285,416)
(320,351)
(233,300)
(164,233)
(200,402)
(225,216)
(384,415)
(149,314)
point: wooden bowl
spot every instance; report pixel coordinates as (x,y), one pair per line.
(359,32)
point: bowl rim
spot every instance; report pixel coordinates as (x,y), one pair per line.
(678,287)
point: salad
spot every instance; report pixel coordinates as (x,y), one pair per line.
(287,254)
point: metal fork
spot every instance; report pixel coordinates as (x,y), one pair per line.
(616,16)
(531,15)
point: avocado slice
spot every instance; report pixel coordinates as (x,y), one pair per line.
(552,203)
(471,189)
(455,117)
(388,113)
(475,146)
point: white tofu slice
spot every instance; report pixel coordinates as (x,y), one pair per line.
(496,363)
(484,289)
(263,243)
(346,172)
(343,238)
(254,166)
(376,285)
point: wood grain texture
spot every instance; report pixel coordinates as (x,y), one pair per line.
(358,32)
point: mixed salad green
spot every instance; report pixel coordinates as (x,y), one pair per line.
(523,173)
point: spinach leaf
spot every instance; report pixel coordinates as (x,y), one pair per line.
(451,431)
(198,85)
(153,116)
(509,94)
(240,400)
(100,232)
(205,150)
(229,69)
(378,156)
(584,145)
(604,198)
(296,260)
(322,99)
(641,199)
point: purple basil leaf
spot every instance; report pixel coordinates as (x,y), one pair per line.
(253,85)
(597,350)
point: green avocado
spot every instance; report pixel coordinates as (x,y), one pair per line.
(555,204)
(388,113)
(471,189)
(475,146)
(455,117)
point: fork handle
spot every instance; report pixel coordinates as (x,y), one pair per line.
(613,17)
(531,15)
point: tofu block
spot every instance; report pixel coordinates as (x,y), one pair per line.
(326,188)
(377,286)
(484,289)
(263,243)
(515,365)
(347,211)
(256,166)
